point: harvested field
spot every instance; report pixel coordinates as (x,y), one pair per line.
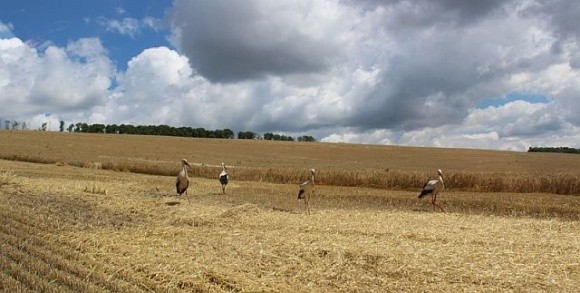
(401,168)
(68,228)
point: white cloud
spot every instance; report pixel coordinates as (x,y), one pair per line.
(386,72)
(127,26)
(64,80)
(153,23)
(130,27)
(6,30)
(444,65)
(151,84)
(514,126)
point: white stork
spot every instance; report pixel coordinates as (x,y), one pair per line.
(182,181)
(224,178)
(306,190)
(432,187)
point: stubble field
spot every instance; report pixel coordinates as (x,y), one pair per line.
(72,218)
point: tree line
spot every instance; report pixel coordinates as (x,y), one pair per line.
(164,130)
(167,130)
(567,150)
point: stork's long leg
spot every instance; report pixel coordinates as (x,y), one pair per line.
(435,204)
(308,202)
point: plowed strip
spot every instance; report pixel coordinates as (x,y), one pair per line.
(65,259)
(9,284)
(11,264)
(37,261)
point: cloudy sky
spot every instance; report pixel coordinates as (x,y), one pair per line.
(447,73)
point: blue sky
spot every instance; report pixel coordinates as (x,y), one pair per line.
(501,74)
(60,22)
(500,101)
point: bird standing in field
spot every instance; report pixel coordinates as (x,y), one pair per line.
(433,187)
(224,178)
(306,190)
(182,181)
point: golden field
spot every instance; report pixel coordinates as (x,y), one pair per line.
(100,228)
(402,168)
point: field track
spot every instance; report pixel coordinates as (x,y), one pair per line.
(71,229)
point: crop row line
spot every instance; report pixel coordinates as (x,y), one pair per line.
(62,256)
(51,266)
(16,263)
(7,282)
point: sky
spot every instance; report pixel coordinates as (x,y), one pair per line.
(491,74)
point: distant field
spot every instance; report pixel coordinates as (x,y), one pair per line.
(72,218)
(389,167)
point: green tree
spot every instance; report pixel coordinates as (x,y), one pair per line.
(96,128)
(275,136)
(568,150)
(199,132)
(246,135)
(307,138)
(111,128)
(227,133)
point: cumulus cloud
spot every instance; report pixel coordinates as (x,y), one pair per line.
(514,126)
(149,88)
(159,87)
(64,80)
(562,15)
(387,72)
(431,61)
(240,40)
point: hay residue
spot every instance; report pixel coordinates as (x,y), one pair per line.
(193,221)
(7,177)
(93,165)
(243,209)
